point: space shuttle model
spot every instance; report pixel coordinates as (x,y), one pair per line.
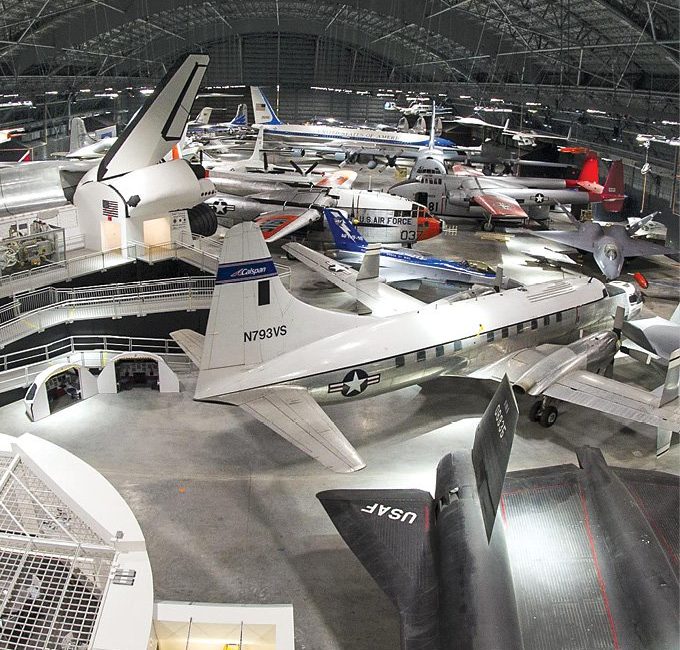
(142,175)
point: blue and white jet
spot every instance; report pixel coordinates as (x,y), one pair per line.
(402,264)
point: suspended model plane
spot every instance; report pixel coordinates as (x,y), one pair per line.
(278,358)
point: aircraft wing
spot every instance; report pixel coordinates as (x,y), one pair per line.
(294,415)
(615,398)
(276,225)
(589,389)
(573,238)
(499,205)
(191,343)
(380,298)
(643,248)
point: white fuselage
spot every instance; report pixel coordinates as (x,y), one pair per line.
(344,134)
(443,338)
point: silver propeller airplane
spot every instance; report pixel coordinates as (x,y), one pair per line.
(278,358)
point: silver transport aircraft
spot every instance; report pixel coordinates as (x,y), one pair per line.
(279,358)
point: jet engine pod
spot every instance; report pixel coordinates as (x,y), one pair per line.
(340,156)
(298,153)
(372,164)
(144,193)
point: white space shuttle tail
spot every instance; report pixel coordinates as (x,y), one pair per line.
(160,123)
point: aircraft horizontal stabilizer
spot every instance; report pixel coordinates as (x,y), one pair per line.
(500,206)
(191,343)
(379,297)
(294,415)
(276,225)
(389,531)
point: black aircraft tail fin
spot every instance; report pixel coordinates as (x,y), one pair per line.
(390,533)
(491,450)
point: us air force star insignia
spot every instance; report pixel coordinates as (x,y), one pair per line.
(539,198)
(354,382)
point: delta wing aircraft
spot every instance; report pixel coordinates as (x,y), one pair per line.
(492,199)
(278,358)
(444,563)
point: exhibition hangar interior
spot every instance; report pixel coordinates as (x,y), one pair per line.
(339,325)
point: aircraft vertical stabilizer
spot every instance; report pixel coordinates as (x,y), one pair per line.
(345,235)
(253,318)
(491,450)
(204,116)
(390,532)
(241,117)
(613,192)
(262,109)
(160,123)
(590,172)
(79,136)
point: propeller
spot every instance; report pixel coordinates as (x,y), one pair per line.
(265,161)
(296,167)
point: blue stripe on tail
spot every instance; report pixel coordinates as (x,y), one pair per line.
(245,271)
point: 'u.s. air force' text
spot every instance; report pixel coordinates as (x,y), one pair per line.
(266,333)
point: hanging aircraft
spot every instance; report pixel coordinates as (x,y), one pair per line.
(493,199)
(278,358)
(282,212)
(444,563)
(609,244)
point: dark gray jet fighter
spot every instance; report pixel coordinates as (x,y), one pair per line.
(609,244)
(583,557)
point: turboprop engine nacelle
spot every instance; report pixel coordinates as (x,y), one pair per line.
(143,193)
(594,353)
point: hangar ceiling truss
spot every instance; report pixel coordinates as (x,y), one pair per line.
(624,44)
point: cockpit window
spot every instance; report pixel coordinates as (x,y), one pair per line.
(611,252)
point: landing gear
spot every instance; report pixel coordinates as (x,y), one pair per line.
(488,226)
(548,416)
(543,412)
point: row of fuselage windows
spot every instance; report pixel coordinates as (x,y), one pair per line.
(494,335)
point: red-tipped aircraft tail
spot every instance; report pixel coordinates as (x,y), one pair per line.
(613,191)
(590,172)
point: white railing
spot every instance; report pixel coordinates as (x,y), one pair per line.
(18,369)
(37,310)
(201,252)
(64,270)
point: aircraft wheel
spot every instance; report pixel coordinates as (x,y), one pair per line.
(488,226)
(548,416)
(535,411)
(202,220)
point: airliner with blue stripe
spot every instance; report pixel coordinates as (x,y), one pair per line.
(403,264)
(266,118)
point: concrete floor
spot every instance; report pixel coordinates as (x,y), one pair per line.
(228,508)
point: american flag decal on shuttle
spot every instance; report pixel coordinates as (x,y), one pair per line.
(110,209)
